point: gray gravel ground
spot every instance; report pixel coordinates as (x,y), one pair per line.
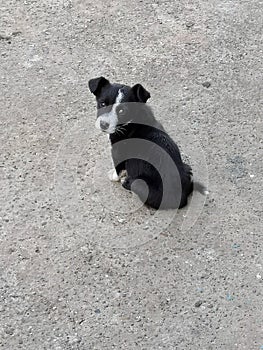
(76,271)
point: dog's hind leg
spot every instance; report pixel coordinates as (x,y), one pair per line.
(117,172)
(143,188)
(120,168)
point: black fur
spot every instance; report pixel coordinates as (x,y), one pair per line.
(142,148)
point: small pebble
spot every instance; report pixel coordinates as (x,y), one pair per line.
(235,246)
(206,84)
(189,25)
(17,32)
(198,303)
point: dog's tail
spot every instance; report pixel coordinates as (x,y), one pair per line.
(197,186)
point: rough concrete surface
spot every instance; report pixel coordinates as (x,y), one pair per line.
(80,269)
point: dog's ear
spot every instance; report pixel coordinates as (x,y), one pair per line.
(96,84)
(141,93)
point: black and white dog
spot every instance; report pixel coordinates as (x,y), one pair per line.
(141,148)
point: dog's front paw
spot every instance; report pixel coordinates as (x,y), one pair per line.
(113,176)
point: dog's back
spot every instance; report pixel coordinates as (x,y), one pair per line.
(160,165)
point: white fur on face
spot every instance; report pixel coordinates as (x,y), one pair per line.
(110,117)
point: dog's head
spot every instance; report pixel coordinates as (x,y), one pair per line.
(114,102)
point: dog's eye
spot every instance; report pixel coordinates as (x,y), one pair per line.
(102,104)
(121,111)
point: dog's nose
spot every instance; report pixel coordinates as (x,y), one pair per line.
(104,125)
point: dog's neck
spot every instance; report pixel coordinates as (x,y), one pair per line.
(123,132)
(143,119)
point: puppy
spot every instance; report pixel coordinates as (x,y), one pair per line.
(141,148)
